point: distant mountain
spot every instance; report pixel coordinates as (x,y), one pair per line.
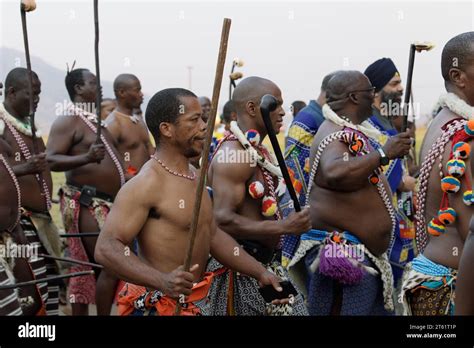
(53,90)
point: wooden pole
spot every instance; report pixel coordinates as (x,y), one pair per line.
(45,280)
(207,145)
(69,260)
(97,72)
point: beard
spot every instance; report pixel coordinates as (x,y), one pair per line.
(391,102)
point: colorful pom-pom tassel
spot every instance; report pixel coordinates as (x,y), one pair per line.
(253,136)
(469,128)
(256,190)
(269,206)
(447,216)
(456,167)
(436,228)
(461,150)
(450,184)
(468,198)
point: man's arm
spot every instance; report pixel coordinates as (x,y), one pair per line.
(340,171)
(133,201)
(229,190)
(229,253)
(61,139)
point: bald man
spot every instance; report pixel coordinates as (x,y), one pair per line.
(343,258)
(128,129)
(445,198)
(245,204)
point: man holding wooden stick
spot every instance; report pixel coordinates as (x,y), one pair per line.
(160,221)
(94,174)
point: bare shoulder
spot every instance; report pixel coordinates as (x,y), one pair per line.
(324,130)
(143,187)
(65,125)
(232,161)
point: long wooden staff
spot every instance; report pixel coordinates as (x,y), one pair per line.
(79,235)
(414,47)
(207,145)
(69,260)
(97,71)
(45,280)
(28,6)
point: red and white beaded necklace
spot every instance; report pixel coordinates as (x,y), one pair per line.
(87,117)
(189,177)
(25,151)
(18,192)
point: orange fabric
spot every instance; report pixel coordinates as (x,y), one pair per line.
(41,312)
(165,305)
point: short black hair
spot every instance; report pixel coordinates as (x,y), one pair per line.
(164,106)
(457,53)
(297,105)
(18,78)
(74,77)
(229,108)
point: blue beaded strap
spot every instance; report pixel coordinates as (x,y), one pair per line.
(320,235)
(424,265)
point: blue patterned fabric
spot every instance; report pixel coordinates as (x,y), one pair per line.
(298,145)
(364,298)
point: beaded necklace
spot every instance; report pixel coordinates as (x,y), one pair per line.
(133,118)
(84,116)
(189,177)
(18,192)
(25,151)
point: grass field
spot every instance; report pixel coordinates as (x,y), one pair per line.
(58,180)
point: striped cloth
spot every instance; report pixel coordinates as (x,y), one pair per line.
(41,268)
(9,302)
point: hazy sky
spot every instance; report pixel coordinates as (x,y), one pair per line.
(294,43)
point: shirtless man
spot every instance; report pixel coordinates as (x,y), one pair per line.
(94,174)
(440,237)
(158,204)
(36,222)
(465,285)
(246,217)
(351,209)
(129,130)
(19,256)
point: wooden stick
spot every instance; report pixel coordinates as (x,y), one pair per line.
(69,260)
(30,76)
(79,235)
(207,145)
(46,280)
(267,105)
(406,102)
(97,72)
